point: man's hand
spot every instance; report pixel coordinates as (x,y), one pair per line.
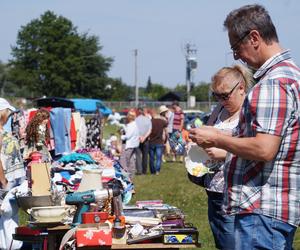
(204,136)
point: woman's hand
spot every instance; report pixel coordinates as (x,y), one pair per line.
(216,153)
(3,183)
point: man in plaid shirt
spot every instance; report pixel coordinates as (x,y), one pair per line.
(263,175)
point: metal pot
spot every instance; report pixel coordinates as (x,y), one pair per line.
(27,202)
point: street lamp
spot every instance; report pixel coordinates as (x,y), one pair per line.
(191,64)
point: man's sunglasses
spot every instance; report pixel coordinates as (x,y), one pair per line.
(225,96)
(235,47)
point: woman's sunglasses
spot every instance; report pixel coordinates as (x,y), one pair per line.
(225,96)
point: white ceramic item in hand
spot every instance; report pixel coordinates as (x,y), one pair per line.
(48,214)
(195,161)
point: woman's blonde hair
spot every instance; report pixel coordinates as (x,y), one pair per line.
(4,114)
(238,71)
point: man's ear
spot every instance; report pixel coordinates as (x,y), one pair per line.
(255,38)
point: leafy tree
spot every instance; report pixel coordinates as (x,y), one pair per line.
(182,90)
(3,77)
(157,90)
(149,85)
(201,91)
(52,59)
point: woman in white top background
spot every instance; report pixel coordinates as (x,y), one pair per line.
(132,141)
(229,87)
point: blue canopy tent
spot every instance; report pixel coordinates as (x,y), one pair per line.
(89,106)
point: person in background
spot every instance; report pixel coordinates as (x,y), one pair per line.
(169,115)
(229,87)
(12,174)
(95,131)
(18,123)
(157,140)
(197,123)
(132,141)
(185,133)
(178,121)
(144,126)
(114,118)
(262,178)
(37,136)
(115,147)
(148,112)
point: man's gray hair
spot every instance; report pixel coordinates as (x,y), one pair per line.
(241,21)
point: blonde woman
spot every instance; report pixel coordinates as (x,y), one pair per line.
(229,87)
(132,141)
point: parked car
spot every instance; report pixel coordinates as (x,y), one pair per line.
(191,115)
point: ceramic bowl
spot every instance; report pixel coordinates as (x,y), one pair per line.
(48,214)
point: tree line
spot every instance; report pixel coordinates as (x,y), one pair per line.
(51,58)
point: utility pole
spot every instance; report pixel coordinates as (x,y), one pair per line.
(191,64)
(135,79)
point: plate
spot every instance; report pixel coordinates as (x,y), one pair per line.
(196,161)
(45,224)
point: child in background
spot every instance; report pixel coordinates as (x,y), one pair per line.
(37,136)
(115,147)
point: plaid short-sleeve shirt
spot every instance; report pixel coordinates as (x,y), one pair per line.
(272,107)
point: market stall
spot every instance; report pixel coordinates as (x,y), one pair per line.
(81,201)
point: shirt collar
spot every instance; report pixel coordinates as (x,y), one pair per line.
(282,56)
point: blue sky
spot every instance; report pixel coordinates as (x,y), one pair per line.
(159,29)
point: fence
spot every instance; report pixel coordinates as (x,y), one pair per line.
(204,106)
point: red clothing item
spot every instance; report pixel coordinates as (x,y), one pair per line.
(178,120)
(185,135)
(73,134)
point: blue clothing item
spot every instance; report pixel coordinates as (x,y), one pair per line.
(257,231)
(60,119)
(177,143)
(73,157)
(7,125)
(222,225)
(155,152)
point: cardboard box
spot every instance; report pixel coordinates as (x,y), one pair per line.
(94,217)
(40,176)
(93,235)
(180,236)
